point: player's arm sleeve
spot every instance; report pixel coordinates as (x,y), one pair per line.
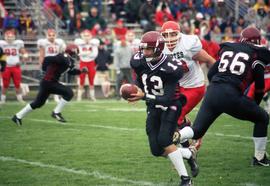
(213,70)
(259,83)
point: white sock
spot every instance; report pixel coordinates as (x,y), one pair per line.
(60,105)
(19,97)
(3,97)
(260,147)
(24,111)
(80,93)
(186,133)
(56,98)
(92,93)
(186,153)
(178,162)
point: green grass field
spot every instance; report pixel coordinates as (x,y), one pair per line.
(104,143)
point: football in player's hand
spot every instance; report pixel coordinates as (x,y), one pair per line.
(127,89)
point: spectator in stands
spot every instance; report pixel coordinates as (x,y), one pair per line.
(95,3)
(117,9)
(132,8)
(216,34)
(119,31)
(207,8)
(228,22)
(2,14)
(198,19)
(122,55)
(241,22)
(151,24)
(54,7)
(175,7)
(26,25)
(266,24)
(147,9)
(213,22)
(252,18)
(79,23)
(103,61)
(11,21)
(163,15)
(69,16)
(261,8)
(228,35)
(94,22)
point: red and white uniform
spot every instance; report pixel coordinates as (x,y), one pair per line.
(51,48)
(192,84)
(13,70)
(88,52)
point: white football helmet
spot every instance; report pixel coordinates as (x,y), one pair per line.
(9,36)
(171,32)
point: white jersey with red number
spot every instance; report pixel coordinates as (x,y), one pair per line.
(12,51)
(88,51)
(186,48)
(51,49)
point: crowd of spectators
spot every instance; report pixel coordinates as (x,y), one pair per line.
(198,16)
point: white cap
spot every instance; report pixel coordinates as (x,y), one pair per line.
(199,15)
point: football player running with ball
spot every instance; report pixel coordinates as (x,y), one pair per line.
(240,64)
(157,83)
(53,67)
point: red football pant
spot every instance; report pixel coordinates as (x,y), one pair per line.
(12,72)
(251,91)
(91,66)
(194,96)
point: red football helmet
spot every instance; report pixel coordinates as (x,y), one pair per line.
(9,36)
(86,35)
(251,35)
(170,30)
(51,34)
(72,50)
(152,40)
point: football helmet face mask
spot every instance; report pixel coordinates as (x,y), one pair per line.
(51,35)
(251,35)
(9,36)
(152,45)
(86,35)
(170,30)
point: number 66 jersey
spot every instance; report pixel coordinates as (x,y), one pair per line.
(237,63)
(158,79)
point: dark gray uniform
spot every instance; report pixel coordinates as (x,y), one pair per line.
(240,64)
(159,81)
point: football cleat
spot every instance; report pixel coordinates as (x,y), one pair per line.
(192,161)
(185,181)
(58,117)
(263,162)
(16,120)
(176,138)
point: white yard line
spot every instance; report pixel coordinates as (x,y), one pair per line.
(95,174)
